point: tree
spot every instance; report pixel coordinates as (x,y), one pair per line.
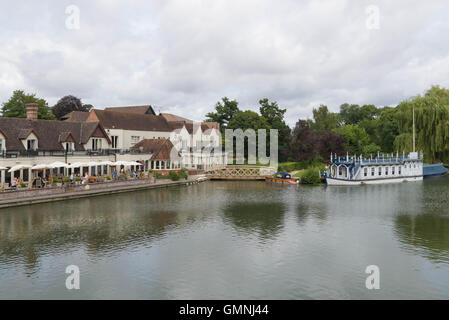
(248,120)
(68,104)
(15,106)
(308,144)
(354,114)
(357,140)
(275,119)
(323,120)
(431,122)
(225,111)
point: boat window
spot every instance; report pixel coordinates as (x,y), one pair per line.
(340,171)
(399,170)
(380,171)
(365,171)
(392,170)
(386,171)
(372,171)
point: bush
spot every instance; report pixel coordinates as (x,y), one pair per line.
(183,173)
(23,185)
(77,179)
(311,176)
(173,176)
(108,178)
(57,180)
(66,179)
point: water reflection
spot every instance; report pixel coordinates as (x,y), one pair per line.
(426,234)
(264,219)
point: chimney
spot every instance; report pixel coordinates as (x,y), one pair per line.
(32,109)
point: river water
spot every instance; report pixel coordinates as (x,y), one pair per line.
(232,240)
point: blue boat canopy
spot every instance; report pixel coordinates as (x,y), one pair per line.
(283,175)
(434,170)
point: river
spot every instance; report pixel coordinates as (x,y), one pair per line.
(232,240)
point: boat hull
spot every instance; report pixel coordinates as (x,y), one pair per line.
(343,182)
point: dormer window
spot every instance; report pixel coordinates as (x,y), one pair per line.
(31,144)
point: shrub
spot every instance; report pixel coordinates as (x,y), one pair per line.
(173,176)
(183,173)
(57,180)
(23,185)
(66,179)
(157,175)
(108,178)
(311,176)
(77,179)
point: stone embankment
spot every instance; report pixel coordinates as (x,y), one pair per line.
(31,196)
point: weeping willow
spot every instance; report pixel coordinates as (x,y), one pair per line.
(432,127)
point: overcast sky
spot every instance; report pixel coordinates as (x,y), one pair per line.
(183,56)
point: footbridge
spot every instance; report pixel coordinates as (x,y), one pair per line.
(236,172)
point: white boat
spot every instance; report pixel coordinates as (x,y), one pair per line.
(389,169)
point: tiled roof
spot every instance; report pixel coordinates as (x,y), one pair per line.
(49,133)
(147,109)
(160,148)
(131,121)
(76,116)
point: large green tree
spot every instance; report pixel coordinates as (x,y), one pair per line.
(357,141)
(15,106)
(225,110)
(323,120)
(431,123)
(274,116)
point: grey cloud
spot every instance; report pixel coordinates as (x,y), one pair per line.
(183,56)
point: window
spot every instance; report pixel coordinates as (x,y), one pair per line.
(386,171)
(380,171)
(340,171)
(96,144)
(134,140)
(373,171)
(68,146)
(31,144)
(399,170)
(365,172)
(392,170)
(1,144)
(114,140)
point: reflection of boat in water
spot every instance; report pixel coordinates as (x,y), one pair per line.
(434,170)
(282,178)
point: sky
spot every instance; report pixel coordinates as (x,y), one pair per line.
(183,56)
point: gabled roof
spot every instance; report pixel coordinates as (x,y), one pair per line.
(25,133)
(49,133)
(66,137)
(76,116)
(129,121)
(160,148)
(146,109)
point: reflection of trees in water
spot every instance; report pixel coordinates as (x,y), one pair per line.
(264,219)
(102,224)
(428,234)
(314,210)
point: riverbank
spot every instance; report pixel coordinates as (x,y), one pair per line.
(33,196)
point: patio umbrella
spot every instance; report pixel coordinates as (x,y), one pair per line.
(92,164)
(122,163)
(77,165)
(134,163)
(58,164)
(42,166)
(107,163)
(19,167)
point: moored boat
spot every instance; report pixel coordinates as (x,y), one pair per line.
(282,178)
(360,170)
(434,170)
